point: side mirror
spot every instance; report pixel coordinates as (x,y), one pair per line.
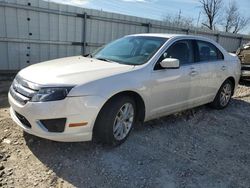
(170,63)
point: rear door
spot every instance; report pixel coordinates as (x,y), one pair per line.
(212,69)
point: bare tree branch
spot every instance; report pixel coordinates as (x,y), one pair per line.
(233,21)
(179,20)
(240,23)
(231,14)
(211,10)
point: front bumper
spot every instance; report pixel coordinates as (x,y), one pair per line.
(74,109)
(245,71)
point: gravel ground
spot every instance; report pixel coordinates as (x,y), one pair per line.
(201,147)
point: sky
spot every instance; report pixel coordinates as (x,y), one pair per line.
(155,9)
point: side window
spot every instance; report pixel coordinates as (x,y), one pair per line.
(181,50)
(208,52)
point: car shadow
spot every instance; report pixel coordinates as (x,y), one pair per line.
(90,164)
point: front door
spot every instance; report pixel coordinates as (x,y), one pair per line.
(175,89)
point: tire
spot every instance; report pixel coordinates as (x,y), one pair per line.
(223,96)
(112,126)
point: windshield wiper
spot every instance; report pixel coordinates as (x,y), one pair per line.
(120,62)
(104,59)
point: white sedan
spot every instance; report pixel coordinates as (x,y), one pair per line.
(133,79)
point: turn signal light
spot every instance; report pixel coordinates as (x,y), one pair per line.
(78,124)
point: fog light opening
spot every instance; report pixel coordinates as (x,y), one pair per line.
(54,125)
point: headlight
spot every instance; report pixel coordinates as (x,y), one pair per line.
(50,94)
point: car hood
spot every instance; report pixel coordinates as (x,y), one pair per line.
(71,71)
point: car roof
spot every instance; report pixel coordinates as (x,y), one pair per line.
(163,35)
(168,36)
(182,36)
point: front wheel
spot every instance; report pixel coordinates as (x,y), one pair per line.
(115,120)
(223,96)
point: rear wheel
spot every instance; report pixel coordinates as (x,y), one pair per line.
(223,96)
(115,120)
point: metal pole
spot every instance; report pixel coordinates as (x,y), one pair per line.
(149,25)
(84,29)
(240,41)
(218,37)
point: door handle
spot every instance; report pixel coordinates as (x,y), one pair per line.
(193,73)
(223,68)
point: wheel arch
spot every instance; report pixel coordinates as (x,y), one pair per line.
(233,81)
(138,99)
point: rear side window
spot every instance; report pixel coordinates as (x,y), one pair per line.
(208,52)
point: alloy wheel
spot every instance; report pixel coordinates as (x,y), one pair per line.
(123,121)
(225,94)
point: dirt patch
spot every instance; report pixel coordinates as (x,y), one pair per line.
(201,147)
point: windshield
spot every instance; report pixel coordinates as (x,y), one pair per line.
(131,50)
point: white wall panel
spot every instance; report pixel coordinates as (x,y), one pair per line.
(50,30)
(71,29)
(44,27)
(34,53)
(54,27)
(4,62)
(3,32)
(230,44)
(53,51)
(23,51)
(11,22)
(63,22)
(44,52)
(13,55)
(34,32)
(22,23)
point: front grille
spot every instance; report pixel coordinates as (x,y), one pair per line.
(23,120)
(22,91)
